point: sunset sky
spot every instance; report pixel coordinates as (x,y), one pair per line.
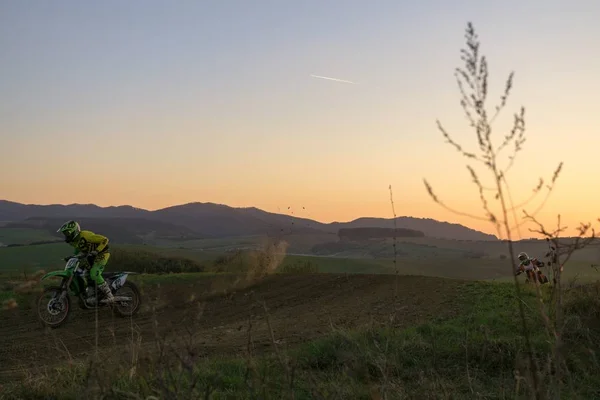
(156,103)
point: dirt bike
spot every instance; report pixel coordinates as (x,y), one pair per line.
(73,282)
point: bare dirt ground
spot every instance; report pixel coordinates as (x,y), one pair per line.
(300,308)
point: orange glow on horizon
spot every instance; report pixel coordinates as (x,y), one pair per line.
(334,210)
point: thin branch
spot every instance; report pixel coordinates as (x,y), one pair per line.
(455,144)
(443,205)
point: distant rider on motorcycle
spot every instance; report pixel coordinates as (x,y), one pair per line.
(95,247)
(530,266)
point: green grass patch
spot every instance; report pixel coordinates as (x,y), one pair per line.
(31,258)
(24,235)
(17,260)
(191,254)
(6,294)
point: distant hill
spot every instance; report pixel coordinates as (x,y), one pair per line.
(219,220)
(207,220)
(430,227)
(376,233)
(10,211)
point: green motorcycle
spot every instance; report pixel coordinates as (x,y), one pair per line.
(75,281)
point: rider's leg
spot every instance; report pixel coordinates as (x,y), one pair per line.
(96,275)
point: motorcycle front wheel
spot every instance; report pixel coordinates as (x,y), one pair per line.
(52,310)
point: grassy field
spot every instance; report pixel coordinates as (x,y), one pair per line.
(298,243)
(347,332)
(328,245)
(50,256)
(24,236)
(16,260)
(31,258)
(471,352)
(535,248)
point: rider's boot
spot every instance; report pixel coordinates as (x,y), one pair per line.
(107,294)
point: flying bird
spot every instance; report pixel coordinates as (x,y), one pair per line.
(333,79)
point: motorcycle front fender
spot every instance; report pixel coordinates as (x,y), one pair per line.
(56,274)
(75,286)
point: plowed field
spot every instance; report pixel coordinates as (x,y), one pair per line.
(300,308)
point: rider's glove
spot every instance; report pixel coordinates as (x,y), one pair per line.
(93,253)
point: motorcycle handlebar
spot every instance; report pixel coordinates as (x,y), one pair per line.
(81,256)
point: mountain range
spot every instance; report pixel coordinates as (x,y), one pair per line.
(207,220)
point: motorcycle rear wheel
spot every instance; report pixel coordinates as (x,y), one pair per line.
(127,309)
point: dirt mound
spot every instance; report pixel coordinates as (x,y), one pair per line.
(299,308)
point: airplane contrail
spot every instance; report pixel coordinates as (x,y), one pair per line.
(333,79)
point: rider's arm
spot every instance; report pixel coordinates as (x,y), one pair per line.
(100,241)
(76,250)
(519,269)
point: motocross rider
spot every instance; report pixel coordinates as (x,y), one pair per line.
(95,247)
(527,263)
